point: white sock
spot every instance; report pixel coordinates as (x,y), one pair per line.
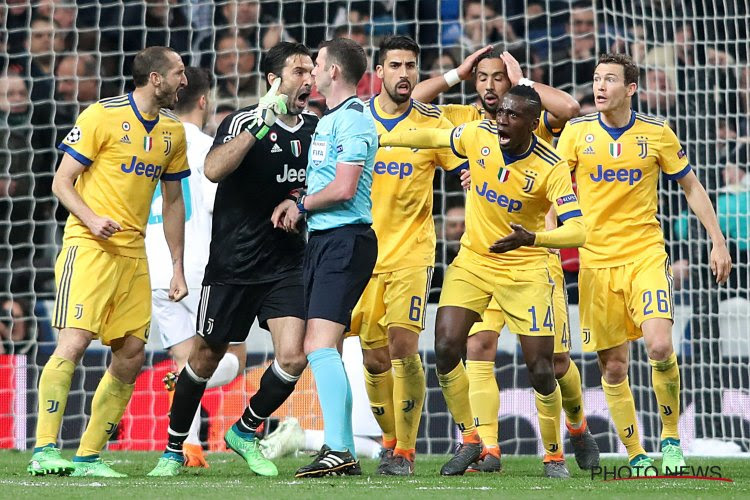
(195,427)
(364,446)
(225,372)
(314,440)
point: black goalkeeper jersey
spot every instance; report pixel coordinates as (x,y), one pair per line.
(245,247)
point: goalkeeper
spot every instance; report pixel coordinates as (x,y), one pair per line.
(254,271)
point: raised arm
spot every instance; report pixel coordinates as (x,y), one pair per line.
(559,105)
(428,90)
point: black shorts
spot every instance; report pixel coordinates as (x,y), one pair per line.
(226,312)
(338,264)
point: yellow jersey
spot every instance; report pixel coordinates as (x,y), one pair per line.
(617,173)
(507,189)
(459,114)
(402,189)
(125,154)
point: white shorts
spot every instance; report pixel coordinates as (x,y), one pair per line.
(175,320)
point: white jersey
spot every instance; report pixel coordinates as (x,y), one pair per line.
(198,194)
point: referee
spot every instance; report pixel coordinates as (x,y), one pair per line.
(342,248)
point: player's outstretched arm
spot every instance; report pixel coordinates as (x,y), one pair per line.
(559,105)
(699,202)
(571,234)
(173,211)
(427,138)
(63,188)
(429,89)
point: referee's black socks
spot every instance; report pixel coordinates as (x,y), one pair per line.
(187,397)
(276,386)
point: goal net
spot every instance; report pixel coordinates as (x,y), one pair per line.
(58,56)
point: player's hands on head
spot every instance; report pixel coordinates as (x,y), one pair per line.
(102,227)
(466,179)
(512,67)
(178,289)
(520,237)
(466,68)
(721,263)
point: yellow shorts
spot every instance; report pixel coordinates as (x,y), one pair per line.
(106,294)
(615,301)
(524,296)
(493,319)
(391,299)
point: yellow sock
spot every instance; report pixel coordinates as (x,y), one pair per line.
(109,403)
(485,398)
(455,385)
(408,393)
(622,410)
(54,386)
(665,378)
(379,388)
(548,410)
(572,397)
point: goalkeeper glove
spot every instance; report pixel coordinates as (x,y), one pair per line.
(264,116)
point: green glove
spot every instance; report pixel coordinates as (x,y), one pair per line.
(269,106)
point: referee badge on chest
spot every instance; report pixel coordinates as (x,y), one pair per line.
(318,150)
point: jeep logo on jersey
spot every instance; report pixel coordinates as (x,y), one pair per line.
(494,197)
(392,168)
(621,175)
(292,175)
(140,168)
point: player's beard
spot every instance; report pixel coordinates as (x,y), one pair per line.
(395,96)
(166,97)
(492,110)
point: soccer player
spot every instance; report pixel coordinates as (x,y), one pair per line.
(390,314)
(342,248)
(494,73)
(176,320)
(254,270)
(515,178)
(625,280)
(117,152)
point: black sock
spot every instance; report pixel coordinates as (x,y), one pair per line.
(187,398)
(275,387)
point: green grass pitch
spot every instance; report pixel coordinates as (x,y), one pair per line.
(229,478)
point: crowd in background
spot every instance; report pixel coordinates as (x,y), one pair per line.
(59,56)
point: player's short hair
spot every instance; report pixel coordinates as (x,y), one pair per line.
(397,42)
(350,57)
(199,83)
(148,60)
(274,60)
(532,98)
(495,53)
(630,68)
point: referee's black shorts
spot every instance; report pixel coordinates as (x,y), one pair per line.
(338,264)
